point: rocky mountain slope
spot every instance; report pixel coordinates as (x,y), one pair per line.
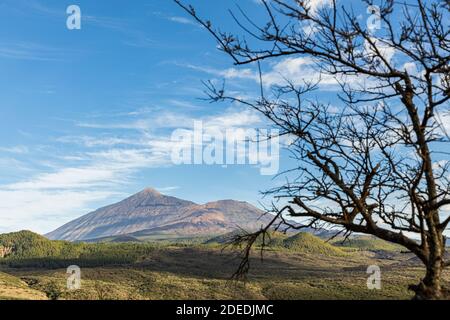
(150,212)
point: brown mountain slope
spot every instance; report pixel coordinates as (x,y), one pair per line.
(150,212)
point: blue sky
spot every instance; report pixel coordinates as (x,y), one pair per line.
(85,115)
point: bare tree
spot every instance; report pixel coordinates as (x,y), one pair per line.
(375,160)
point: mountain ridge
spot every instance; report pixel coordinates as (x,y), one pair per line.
(151,212)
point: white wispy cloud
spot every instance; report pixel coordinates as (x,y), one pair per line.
(15,149)
(175,19)
(45,200)
(240,119)
(314,5)
(89,141)
(445,122)
(43,210)
(182,20)
(167,190)
(23,50)
(298,71)
(170,120)
(102,165)
(182,104)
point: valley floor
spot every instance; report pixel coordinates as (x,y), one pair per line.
(203,272)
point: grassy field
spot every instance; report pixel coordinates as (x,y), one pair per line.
(14,288)
(298,267)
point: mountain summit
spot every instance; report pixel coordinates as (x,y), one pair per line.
(151,213)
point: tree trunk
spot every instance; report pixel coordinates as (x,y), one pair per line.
(430,287)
